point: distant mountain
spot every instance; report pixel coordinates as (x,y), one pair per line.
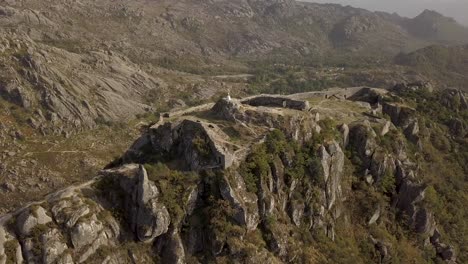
(447,65)
(432,26)
(81,61)
(226,28)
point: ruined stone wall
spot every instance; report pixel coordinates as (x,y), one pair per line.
(277,101)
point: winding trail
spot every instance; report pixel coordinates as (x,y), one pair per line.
(57,151)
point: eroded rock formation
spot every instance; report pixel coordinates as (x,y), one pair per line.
(187,189)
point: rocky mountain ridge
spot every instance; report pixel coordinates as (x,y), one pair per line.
(247,181)
(75,62)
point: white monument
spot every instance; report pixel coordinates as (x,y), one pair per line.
(229,95)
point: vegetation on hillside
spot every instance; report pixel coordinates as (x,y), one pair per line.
(444,165)
(446,65)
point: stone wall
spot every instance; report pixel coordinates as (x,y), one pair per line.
(277,101)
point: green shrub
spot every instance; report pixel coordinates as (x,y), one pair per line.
(257,165)
(329,129)
(388,182)
(276,141)
(173,186)
(201,146)
(219,215)
(10,251)
(432,199)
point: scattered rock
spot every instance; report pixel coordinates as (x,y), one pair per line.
(386,128)
(344,129)
(9,187)
(30,218)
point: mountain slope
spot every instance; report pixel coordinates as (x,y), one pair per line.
(433,26)
(446,65)
(334,178)
(92,62)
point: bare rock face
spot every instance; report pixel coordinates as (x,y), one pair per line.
(85,233)
(54,246)
(401,116)
(405,118)
(454,99)
(233,190)
(26,16)
(147,217)
(70,90)
(171,248)
(332,166)
(3,240)
(72,224)
(16,94)
(409,192)
(197,145)
(332,159)
(386,128)
(446,252)
(410,196)
(269,194)
(382,248)
(376,162)
(30,219)
(296,212)
(368,95)
(344,129)
(278,242)
(46,241)
(362,139)
(228,109)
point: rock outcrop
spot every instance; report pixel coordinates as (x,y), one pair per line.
(186,191)
(74,225)
(404,117)
(96,95)
(409,192)
(233,190)
(332,159)
(198,145)
(147,217)
(454,99)
(229,109)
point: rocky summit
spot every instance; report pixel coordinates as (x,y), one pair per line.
(268,178)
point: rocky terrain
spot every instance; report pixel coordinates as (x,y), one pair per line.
(250,181)
(78,64)
(118,146)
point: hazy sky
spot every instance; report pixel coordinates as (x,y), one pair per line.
(457,9)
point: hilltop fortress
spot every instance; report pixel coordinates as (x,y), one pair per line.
(161,190)
(181,134)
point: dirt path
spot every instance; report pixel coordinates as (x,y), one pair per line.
(234,76)
(57,151)
(191,110)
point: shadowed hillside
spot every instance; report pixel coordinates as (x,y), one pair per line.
(446,65)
